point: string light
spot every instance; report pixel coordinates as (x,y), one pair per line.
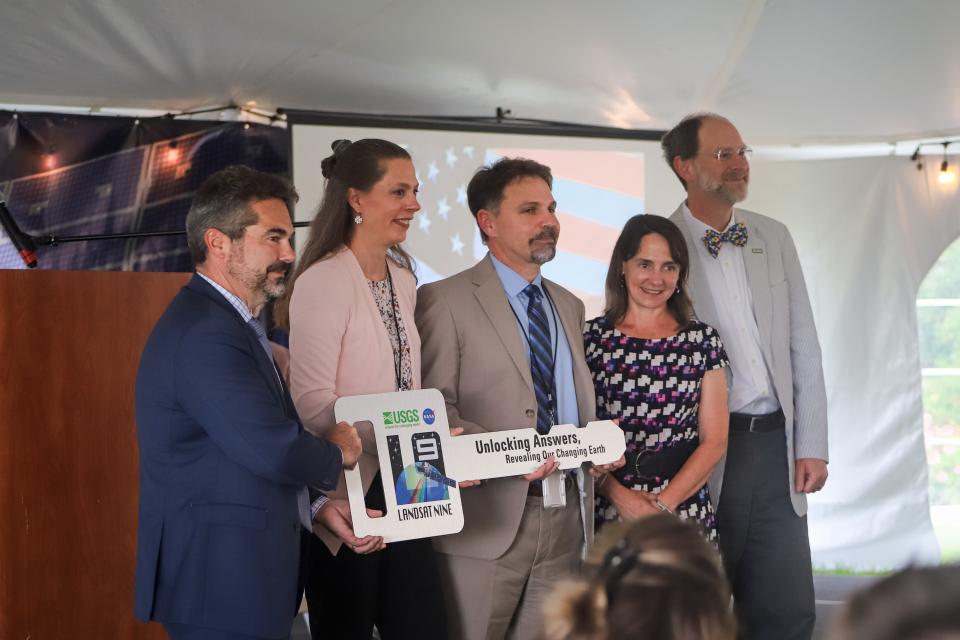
(946,176)
(49,159)
(173,153)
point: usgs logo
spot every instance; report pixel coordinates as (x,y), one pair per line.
(401,417)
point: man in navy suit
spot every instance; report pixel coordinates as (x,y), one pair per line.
(225,464)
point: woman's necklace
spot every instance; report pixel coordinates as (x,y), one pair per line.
(398,351)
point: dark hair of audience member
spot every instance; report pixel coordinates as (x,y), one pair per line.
(626,247)
(652,579)
(913,604)
(485,190)
(352,165)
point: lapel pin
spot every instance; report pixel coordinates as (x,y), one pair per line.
(757,250)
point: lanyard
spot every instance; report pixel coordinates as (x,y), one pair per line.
(398,352)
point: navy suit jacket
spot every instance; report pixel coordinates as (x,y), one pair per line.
(222,458)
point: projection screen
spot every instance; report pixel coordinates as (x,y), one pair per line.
(598,184)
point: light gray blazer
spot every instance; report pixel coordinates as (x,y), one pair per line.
(788,335)
(473,353)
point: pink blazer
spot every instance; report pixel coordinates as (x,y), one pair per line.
(339,347)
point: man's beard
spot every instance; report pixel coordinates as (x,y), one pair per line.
(730,192)
(259,284)
(274,288)
(545,254)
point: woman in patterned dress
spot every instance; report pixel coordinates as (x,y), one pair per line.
(659,373)
(349,309)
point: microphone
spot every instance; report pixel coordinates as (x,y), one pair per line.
(23,242)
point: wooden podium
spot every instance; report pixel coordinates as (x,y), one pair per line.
(70,342)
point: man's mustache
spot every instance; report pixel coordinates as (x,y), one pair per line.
(280,267)
(548,233)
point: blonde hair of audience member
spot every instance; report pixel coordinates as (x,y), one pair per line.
(652,579)
(913,604)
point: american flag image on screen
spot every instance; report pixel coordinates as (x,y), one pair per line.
(596,193)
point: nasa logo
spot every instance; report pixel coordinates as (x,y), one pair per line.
(429,416)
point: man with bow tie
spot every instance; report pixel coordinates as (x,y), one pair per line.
(745,280)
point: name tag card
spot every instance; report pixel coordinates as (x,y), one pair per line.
(421,463)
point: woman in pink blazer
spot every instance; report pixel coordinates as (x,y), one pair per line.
(349,312)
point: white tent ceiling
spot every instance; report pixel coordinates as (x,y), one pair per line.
(785,71)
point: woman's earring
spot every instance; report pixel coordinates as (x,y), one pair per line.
(357,219)
(623,281)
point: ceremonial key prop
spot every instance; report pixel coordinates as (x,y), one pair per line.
(421,463)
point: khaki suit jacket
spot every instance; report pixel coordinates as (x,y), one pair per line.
(473,353)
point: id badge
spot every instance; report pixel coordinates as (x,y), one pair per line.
(554,491)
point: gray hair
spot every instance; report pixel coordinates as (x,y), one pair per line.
(223,202)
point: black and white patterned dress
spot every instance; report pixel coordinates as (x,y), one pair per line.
(653,387)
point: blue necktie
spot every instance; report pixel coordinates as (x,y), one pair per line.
(541,358)
(303,496)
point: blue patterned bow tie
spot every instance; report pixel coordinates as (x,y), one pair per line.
(735,235)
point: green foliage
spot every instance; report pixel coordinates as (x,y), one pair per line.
(941,399)
(943,280)
(944,462)
(939,329)
(845,571)
(949,545)
(939,334)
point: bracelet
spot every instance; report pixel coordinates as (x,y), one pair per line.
(663,507)
(599,483)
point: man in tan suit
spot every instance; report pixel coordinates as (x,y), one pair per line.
(505,347)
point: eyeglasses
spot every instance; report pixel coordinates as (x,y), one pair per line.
(725,155)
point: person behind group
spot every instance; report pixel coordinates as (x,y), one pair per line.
(349,311)
(660,374)
(652,579)
(224,461)
(504,345)
(918,603)
(746,281)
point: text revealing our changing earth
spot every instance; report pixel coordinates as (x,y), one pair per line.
(514,452)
